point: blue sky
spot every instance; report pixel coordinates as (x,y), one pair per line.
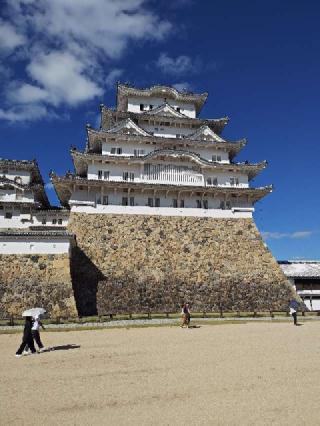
(258,60)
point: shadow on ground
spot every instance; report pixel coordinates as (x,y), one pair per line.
(63,347)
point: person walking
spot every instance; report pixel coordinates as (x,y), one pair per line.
(185,313)
(27,339)
(36,333)
(293,311)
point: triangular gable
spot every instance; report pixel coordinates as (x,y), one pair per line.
(6,183)
(205,133)
(128,127)
(165,110)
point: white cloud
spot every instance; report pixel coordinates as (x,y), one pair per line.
(113,76)
(280,235)
(24,113)
(64,46)
(176,66)
(62,76)
(10,38)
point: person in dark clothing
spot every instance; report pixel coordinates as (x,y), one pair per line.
(27,339)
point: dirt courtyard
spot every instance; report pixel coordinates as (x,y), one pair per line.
(230,374)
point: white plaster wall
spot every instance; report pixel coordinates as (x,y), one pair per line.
(162,211)
(21,219)
(166,131)
(11,174)
(116,170)
(10,196)
(128,149)
(28,245)
(224,178)
(166,199)
(185,108)
(82,197)
(51,217)
(116,174)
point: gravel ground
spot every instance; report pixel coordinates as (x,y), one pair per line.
(252,373)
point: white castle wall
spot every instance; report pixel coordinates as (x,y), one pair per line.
(116,174)
(22,219)
(164,211)
(11,196)
(166,131)
(29,245)
(94,198)
(134,105)
(129,149)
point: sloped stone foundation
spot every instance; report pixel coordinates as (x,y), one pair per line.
(127,263)
(36,280)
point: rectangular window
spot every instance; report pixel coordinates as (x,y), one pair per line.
(138,152)
(150,106)
(125,175)
(131,201)
(98,199)
(124,201)
(228,204)
(205,204)
(106,175)
(54,221)
(116,151)
(234,181)
(174,203)
(216,158)
(99,174)
(214,181)
(131,176)
(141,107)
(105,200)
(157,202)
(182,203)
(8,215)
(209,181)
(199,205)
(44,221)
(150,202)
(178,109)
(59,221)
(222,206)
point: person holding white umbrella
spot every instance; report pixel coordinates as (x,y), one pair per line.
(29,333)
(27,339)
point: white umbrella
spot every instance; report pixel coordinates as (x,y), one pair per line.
(33,312)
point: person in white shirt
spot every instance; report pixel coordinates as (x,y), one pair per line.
(35,332)
(293,311)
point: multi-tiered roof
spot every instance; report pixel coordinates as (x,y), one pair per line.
(10,179)
(127,125)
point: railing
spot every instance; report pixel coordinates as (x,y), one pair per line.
(15,321)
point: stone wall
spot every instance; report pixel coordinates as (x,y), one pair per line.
(126,263)
(36,280)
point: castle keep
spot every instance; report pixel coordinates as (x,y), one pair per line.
(157,211)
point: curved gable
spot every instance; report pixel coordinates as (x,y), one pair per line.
(128,127)
(205,133)
(166,110)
